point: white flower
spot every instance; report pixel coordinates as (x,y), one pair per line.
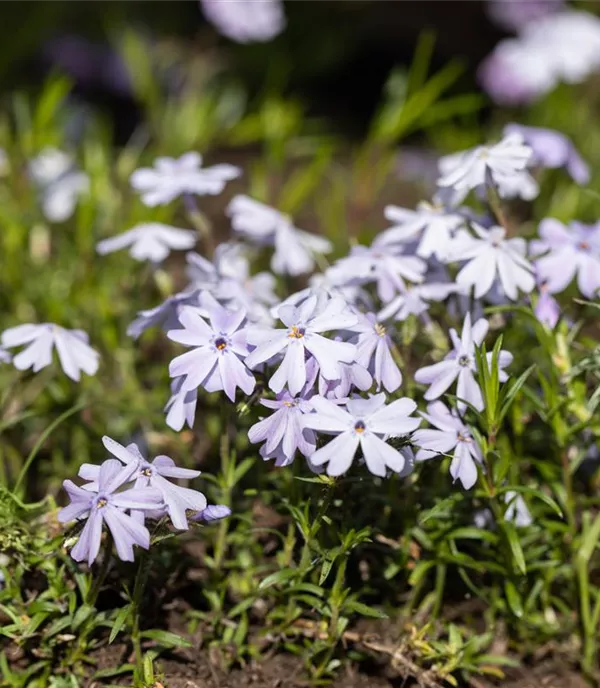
(433,223)
(295,249)
(493,256)
(151,241)
(59,183)
(246,21)
(503,160)
(72,346)
(170,178)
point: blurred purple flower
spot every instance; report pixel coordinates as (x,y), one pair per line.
(151,241)
(89,64)
(165,314)
(433,224)
(388,266)
(450,435)
(59,182)
(513,15)
(295,249)
(492,256)
(176,499)
(302,334)
(246,21)
(416,300)
(470,169)
(552,149)
(72,346)
(460,364)
(174,177)
(101,503)
(216,360)
(364,423)
(546,308)
(570,252)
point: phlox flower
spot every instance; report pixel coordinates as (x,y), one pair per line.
(295,249)
(165,315)
(433,224)
(216,360)
(246,21)
(283,432)
(570,251)
(181,407)
(171,178)
(449,434)
(154,474)
(551,149)
(388,266)
(514,16)
(374,352)
(364,423)
(213,512)
(301,335)
(460,364)
(353,376)
(470,169)
(59,182)
(74,352)
(101,504)
(151,241)
(546,308)
(492,256)
(416,300)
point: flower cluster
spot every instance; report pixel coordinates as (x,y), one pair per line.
(150,495)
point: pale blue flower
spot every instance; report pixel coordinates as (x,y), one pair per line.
(213,512)
(416,300)
(449,435)
(569,252)
(364,423)
(74,353)
(295,249)
(216,360)
(176,499)
(302,334)
(174,177)
(374,352)
(165,315)
(152,241)
(181,407)
(460,364)
(101,504)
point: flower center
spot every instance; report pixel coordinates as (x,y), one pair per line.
(380,330)
(583,245)
(220,343)
(464,361)
(359,427)
(101,503)
(296,332)
(146,472)
(462,437)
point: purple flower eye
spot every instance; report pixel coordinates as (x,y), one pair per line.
(359,427)
(463,361)
(296,332)
(220,343)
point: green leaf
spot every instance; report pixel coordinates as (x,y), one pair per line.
(513,598)
(119,622)
(325,569)
(590,540)
(364,610)
(277,577)
(166,638)
(515,545)
(513,390)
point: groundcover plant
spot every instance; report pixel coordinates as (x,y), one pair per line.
(388,434)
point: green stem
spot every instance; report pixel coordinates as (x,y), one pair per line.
(92,596)
(138,590)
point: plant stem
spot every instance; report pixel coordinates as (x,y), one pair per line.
(92,596)
(138,590)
